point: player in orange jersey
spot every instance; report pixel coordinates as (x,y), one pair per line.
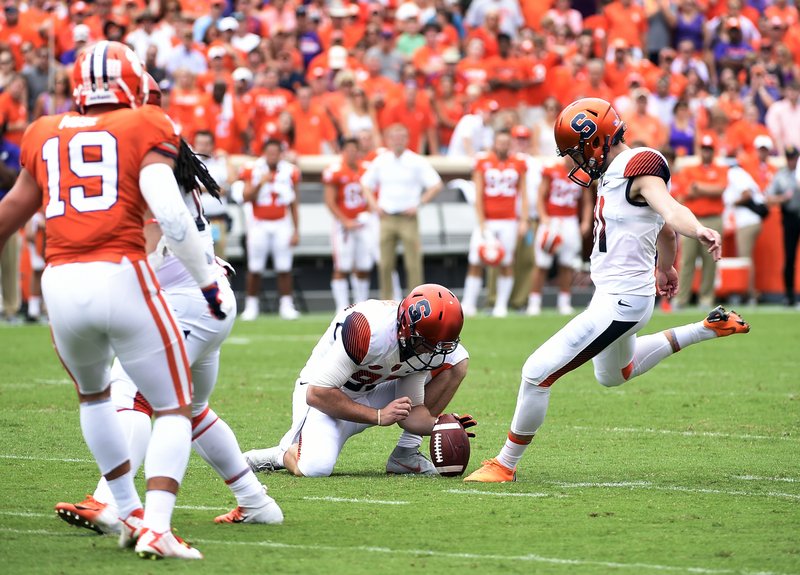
(560,233)
(352,234)
(272,223)
(499,178)
(96,174)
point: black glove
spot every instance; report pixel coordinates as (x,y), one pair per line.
(214,299)
(466,422)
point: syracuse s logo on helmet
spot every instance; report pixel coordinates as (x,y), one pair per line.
(419,310)
(583,125)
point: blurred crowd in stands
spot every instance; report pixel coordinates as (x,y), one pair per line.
(690,77)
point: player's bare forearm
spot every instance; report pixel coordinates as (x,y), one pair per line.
(419,421)
(667,246)
(19,205)
(333,402)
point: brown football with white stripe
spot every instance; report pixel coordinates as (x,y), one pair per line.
(449,446)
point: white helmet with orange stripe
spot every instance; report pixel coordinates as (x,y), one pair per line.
(109,73)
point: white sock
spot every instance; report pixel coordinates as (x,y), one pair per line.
(409,440)
(286,301)
(167,456)
(341,293)
(535,300)
(251,303)
(158,510)
(248,490)
(397,289)
(504,286)
(105,438)
(216,443)
(34,306)
(692,333)
(360,290)
(472,289)
(532,402)
(649,351)
(564,299)
(136,426)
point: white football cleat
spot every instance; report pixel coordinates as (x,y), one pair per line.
(90,514)
(566,310)
(500,312)
(409,461)
(534,309)
(152,545)
(270,459)
(249,314)
(288,312)
(469,310)
(132,528)
(268,512)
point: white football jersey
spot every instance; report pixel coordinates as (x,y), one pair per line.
(171,273)
(360,350)
(625,230)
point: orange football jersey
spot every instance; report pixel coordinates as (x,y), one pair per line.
(564,194)
(501,179)
(88,170)
(349,195)
(277,191)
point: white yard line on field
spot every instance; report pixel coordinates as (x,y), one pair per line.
(26,514)
(58,459)
(758,478)
(499,493)
(648,485)
(493,558)
(643,430)
(346,500)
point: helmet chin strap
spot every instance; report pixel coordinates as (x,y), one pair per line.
(584,169)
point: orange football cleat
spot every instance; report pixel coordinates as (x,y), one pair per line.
(725,322)
(90,514)
(492,471)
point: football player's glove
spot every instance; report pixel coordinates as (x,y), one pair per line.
(216,302)
(229,271)
(466,422)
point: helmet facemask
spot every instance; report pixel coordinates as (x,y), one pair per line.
(415,350)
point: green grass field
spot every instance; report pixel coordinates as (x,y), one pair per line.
(692,468)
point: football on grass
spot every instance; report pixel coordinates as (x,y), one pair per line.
(449,446)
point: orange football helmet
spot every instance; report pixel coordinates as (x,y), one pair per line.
(491,251)
(108,73)
(429,322)
(585,131)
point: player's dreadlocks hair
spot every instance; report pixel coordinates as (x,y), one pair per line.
(190,171)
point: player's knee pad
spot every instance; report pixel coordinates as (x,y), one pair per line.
(609,378)
(202,421)
(533,372)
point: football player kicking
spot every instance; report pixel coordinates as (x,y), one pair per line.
(212,438)
(378,363)
(95,174)
(635,220)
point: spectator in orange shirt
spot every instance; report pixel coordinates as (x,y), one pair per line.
(228,118)
(504,74)
(13,34)
(265,102)
(216,70)
(472,68)
(781,10)
(741,134)
(593,85)
(626,20)
(643,126)
(757,164)
(428,59)
(705,184)
(414,111)
(314,132)
(188,105)
(488,34)
(620,67)
(14,109)
(449,109)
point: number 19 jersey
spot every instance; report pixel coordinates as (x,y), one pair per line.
(88,170)
(626,229)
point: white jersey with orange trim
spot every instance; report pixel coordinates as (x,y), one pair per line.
(360,350)
(625,230)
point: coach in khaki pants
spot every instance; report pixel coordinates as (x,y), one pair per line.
(406,181)
(704,185)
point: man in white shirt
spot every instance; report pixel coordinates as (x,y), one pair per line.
(783,117)
(406,181)
(473,132)
(215,210)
